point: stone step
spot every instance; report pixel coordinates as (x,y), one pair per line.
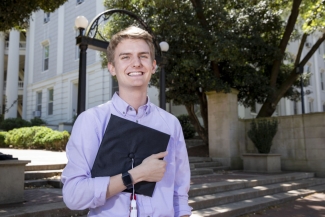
(201,171)
(190,143)
(55,183)
(255,204)
(205,201)
(199,159)
(205,164)
(235,184)
(42,174)
(43,210)
(44,167)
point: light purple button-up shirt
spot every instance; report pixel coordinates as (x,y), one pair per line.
(80,191)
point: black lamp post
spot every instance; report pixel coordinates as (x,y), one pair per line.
(300,70)
(89,40)
(162,78)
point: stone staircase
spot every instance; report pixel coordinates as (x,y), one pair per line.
(215,191)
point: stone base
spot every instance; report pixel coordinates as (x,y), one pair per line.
(265,163)
(12,181)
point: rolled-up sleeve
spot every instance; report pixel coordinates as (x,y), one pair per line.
(80,191)
(182,179)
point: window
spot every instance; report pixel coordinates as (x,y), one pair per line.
(308,79)
(39,103)
(253,108)
(114,85)
(311,106)
(77,49)
(80,1)
(46,17)
(295,108)
(322,80)
(46,54)
(50,102)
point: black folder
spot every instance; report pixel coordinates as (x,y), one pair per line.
(122,141)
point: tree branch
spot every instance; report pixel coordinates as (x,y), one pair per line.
(300,49)
(293,75)
(285,39)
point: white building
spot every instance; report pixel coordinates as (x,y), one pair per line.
(41,67)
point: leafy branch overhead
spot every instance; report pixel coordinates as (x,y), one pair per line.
(224,44)
(15,13)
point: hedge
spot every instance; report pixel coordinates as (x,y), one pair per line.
(37,138)
(188,129)
(13,123)
(2,140)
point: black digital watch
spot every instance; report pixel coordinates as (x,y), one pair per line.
(127,180)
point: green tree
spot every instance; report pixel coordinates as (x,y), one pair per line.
(218,45)
(308,16)
(14,13)
(214,45)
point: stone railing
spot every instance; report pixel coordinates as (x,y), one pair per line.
(20,85)
(22,45)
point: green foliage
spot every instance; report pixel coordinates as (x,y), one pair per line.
(37,121)
(188,129)
(2,140)
(262,132)
(12,123)
(37,138)
(15,13)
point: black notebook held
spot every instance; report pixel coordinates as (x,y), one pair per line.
(122,141)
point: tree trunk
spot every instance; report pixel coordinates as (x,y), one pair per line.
(196,123)
(269,105)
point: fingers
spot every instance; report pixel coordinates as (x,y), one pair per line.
(159,155)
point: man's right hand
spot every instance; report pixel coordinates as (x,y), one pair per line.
(151,169)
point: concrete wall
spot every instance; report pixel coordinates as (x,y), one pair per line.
(300,140)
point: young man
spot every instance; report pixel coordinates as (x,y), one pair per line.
(131,59)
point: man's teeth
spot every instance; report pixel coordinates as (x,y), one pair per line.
(135,73)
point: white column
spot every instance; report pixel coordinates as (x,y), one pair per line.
(318,99)
(60,52)
(26,73)
(12,74)
(2,67)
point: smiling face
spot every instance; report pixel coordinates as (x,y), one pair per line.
(133,64)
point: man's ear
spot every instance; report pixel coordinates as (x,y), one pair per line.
(111,69)
(154,67)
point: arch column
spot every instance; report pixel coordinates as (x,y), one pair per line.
(226,138)
(2,68)
(12,74)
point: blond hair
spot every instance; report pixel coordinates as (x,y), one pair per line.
(131,32)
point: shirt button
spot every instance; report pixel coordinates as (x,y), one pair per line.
(130,109)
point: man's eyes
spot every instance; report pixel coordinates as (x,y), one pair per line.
(141,56)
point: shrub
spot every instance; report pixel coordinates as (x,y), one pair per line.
(56,140)
(2,140)
(37,138)
(37,122)
(262,132)
(12,123)
(188,129)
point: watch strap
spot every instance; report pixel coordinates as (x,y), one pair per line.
(127,180)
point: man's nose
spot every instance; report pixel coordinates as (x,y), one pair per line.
(137,62)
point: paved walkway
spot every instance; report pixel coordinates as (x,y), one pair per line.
(37,157)
(41,199)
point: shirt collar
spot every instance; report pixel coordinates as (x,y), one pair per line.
(123,107)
